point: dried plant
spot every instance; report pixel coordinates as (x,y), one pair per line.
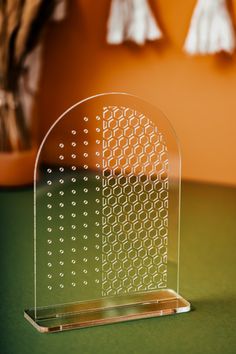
(21,25)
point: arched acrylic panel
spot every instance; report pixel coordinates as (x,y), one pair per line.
(106,189)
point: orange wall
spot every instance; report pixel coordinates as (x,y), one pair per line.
(198,94)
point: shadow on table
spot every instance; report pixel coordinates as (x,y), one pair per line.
(221,303)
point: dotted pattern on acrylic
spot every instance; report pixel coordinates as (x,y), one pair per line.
(73,217)
(135,203)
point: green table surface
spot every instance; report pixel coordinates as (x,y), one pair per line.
(207,280)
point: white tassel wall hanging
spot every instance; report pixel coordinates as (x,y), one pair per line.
(131,20)
(211,29)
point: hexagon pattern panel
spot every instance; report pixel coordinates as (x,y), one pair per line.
(135,203)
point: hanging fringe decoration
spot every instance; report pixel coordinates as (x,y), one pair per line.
(131,20)
(211,29)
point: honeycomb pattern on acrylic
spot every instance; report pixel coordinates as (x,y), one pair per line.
(135,203)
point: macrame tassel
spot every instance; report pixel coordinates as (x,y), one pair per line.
(116,21)
(131,20)
(211,29)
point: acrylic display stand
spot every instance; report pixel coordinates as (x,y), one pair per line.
(106,216)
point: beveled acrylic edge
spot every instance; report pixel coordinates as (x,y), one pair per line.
(88,314)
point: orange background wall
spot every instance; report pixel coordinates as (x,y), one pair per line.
(198,94)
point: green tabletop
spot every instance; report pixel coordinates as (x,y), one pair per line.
(208,264)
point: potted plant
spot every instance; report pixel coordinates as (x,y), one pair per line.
(21,27)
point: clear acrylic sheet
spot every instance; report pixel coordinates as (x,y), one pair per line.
(106,237)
